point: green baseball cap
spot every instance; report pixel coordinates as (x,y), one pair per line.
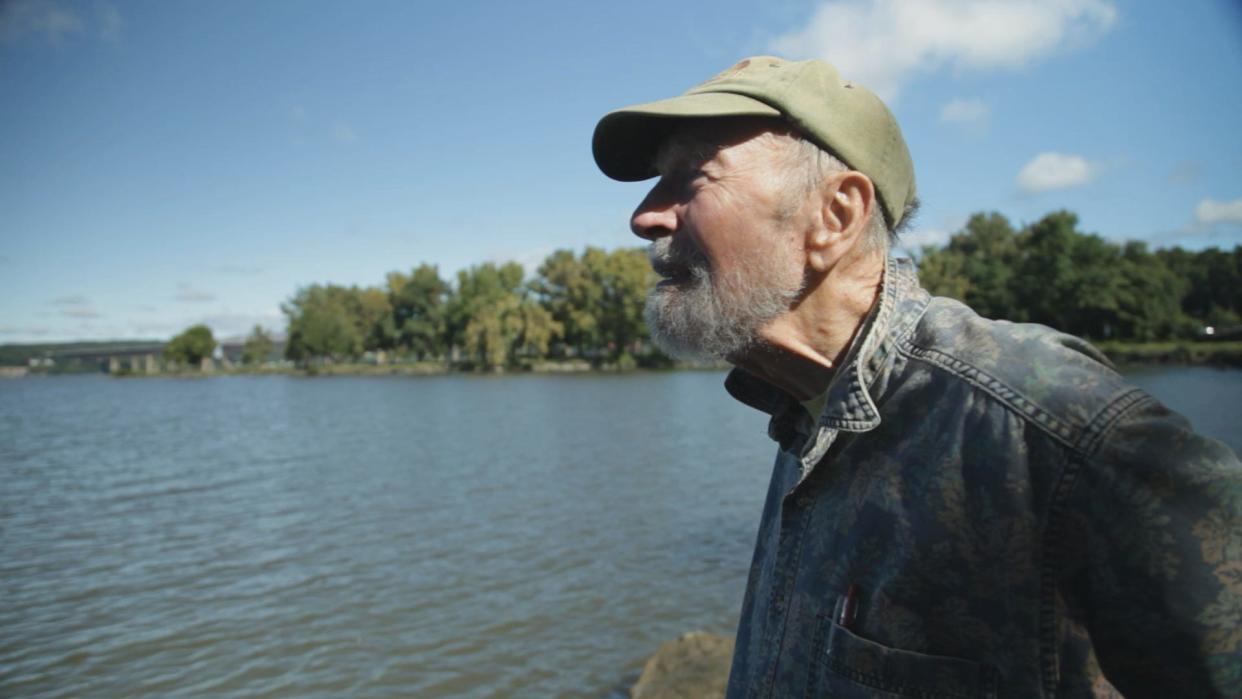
(842,117)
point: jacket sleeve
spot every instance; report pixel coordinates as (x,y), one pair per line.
(1160,578)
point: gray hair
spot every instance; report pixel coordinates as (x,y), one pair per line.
(811,164)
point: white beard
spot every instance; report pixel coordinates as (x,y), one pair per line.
(711,316)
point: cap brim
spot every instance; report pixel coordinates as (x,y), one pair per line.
(626,140)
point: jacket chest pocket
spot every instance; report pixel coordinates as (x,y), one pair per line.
(848,666)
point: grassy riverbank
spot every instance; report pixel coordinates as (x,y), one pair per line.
(1194,353)
(1225,354)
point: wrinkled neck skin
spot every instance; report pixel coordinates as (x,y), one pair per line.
(800,350)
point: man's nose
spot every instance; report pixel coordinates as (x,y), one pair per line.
(656,216)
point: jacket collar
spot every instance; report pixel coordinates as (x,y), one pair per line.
(850,405)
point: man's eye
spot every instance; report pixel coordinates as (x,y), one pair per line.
(691,177)
(683,181)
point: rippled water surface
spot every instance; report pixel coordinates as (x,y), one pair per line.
(381,537)
(284,537)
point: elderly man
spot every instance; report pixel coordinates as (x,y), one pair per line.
(959,507)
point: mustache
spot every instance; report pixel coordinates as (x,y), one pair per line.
(673,258)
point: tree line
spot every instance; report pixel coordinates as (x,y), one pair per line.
(590,304)
(1052,273)
(586,305)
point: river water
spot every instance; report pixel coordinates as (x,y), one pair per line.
(451,536)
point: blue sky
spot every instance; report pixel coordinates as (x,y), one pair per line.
(166,163)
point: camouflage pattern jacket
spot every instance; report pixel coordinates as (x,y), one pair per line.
(986,509)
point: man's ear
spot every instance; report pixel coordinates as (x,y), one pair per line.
(848,201)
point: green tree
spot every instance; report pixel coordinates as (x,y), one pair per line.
(1052,273)
(942,272)
(498,319)
(567,290)
(624,277)
(987,248)
(1214,279)
(322,323)
(1149,301)
(478,288)
(191,345)
(416,323)
(1066,279)
(598,297)
(335,322)
(258,346)
(368,308)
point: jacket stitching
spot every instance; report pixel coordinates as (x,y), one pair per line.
(1103,423)
(889,685)
(1044,420)
(1088,440)
(1050,559)
(1051,552)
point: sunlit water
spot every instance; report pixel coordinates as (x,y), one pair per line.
(383,537)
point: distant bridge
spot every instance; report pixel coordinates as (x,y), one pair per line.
(140,357)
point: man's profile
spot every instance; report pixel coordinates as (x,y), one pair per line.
(959,507)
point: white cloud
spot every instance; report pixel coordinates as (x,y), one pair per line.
(71,300)
(885,43)
(188,294)
(913,241)
(1055,171)
(80,312)
(45,18)
(1210,212)
(936,235)
(239,325)
(964,111)
(224,325)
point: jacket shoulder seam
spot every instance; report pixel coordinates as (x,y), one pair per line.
(1104,421)
(1042,419)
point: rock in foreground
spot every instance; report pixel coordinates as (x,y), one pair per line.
(694,666)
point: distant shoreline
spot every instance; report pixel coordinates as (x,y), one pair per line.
(1223,354)
(1122,354)
(424,368)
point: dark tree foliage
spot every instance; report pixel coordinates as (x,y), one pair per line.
(191,345)
(334,322)
(1050,272)
(416,324)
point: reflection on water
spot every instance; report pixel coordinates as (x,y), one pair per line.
(430,537)
(1211,398)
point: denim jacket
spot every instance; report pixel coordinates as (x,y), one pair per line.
(986,509)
